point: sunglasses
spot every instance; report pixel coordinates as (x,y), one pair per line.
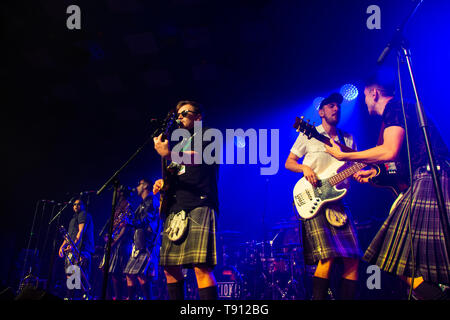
(185,113)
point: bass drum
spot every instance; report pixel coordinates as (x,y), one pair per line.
(229,283)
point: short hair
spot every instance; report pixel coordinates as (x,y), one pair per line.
(81,201)
(147,181)
(198,108)
(385,84)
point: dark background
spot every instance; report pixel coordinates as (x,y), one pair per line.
(78,103)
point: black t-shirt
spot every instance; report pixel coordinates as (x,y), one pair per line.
(393,116)
(195,185)
(86,243)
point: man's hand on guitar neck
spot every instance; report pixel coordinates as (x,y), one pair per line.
(162,147)
(363,176)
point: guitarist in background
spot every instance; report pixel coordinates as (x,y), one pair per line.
(324,242)
(81,231)
(194,191)
(390,249)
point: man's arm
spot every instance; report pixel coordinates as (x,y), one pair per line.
(392,141)
(162,148)
(80,233)
(293,165)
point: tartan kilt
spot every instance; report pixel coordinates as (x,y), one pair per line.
(321,240)
(391,247)
(197,247)
(119,257)
(145,264)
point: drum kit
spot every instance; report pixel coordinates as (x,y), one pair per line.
(269,269)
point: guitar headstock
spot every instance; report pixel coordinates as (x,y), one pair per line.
(305,127)
(62,230)
(167,125)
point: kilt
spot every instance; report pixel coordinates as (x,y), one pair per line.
(119,257)
(391,247)
(144,264)
(321,240)
(197,247)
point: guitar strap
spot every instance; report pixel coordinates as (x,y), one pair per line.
(341,137)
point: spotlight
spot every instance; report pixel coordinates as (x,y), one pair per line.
(239,141)
(349,92)
(316,102)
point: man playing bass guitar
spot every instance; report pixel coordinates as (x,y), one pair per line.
(324,240)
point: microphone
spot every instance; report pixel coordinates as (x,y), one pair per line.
(127,189)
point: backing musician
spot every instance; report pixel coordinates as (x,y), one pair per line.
(120,245)
(143,261)
(81,231)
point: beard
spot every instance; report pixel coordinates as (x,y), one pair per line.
(332,120)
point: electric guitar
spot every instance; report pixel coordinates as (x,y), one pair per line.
(309,199)
(73,257)
(388,175)
(166,170)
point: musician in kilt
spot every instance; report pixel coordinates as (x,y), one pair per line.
(324,240)
(81,232)
(120,246)
(427,264)
(195,194)
(143,261)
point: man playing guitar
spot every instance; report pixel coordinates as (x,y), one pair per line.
(324,241)
(426,264)
(194,196)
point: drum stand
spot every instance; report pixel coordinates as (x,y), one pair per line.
(291,286)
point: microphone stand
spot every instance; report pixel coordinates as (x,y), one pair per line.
(114,180)
(400,43)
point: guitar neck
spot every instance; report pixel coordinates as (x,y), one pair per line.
(341,176)
(326,140)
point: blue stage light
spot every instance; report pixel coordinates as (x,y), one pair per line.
(349,92)
(239,141)
(316,102)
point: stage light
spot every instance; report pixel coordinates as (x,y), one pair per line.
(239,142)
(316,102)
(349,92)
